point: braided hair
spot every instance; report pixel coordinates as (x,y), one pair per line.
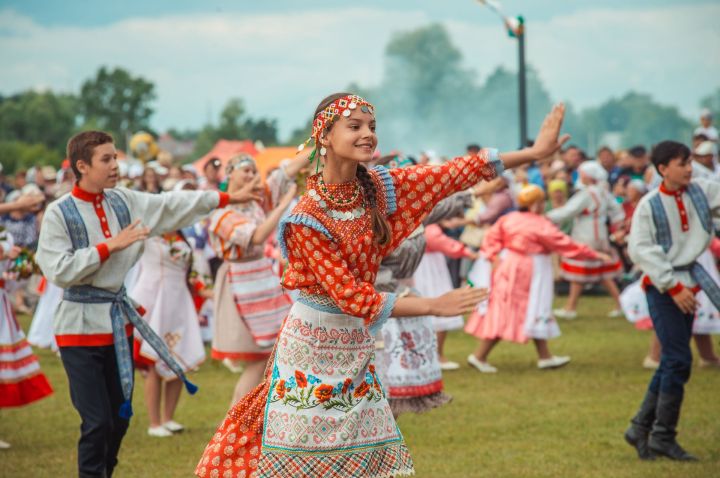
(381,228)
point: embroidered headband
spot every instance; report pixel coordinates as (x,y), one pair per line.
(239,161)
(340,107)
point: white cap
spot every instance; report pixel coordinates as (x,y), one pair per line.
(705,113)
(593,170)
(639,185)
(706,148)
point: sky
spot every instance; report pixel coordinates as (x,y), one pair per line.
(282,56)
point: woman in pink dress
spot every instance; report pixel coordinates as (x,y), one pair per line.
(520,305)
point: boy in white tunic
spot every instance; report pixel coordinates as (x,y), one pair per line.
(672,226)
(89,240)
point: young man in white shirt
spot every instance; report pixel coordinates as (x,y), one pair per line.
(89,240)
(671,227)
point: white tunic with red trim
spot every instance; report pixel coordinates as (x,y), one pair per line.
(21,380)
(79,324)
(590,208)
(689,238)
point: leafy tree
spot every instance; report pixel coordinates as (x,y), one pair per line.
(117,102)
(235,124)
(38,117)
(639,119)
(16,155)
(712,102)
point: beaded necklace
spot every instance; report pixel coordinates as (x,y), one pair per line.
(324,196)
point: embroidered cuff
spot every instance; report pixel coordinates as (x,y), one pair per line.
(676,289)
(384,313)
(224,200)
(103,250)
(493,157)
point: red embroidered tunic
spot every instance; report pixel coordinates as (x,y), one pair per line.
(339,259)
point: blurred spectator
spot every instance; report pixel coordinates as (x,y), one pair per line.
(498,200)
(705,161)
(5,186)
(20,179)
(211,178)
(607,160)
(638,160)
(697,139)
(572,157)
(175,172)
(149,182)
(473,149)
(557,197)
(706,126)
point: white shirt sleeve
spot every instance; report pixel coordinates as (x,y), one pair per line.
(169,211)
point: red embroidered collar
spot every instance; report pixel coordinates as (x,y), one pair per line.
(665,190)
(83,195)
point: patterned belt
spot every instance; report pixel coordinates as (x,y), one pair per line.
(704,280)
(121,309)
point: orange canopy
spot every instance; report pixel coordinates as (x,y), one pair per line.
(270,158)
(224,150)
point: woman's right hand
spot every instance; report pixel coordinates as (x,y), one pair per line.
(458,301)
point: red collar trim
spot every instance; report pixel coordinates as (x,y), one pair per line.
(665,190)
(86,196)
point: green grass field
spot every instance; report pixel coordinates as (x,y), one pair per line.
(519,423)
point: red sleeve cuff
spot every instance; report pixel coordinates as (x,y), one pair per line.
(676,289)
(224,200)
(103,250)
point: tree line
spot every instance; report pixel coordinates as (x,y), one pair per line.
(427,99)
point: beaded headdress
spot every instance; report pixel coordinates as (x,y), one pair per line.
(343,106)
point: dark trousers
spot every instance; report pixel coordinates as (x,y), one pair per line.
(96,394)
(674,331)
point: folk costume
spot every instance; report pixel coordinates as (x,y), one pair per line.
(162,290)
(590,208)
(432,277)
(410,367)
(40,333)
(94,322)
(249,303)
(21,380)
(321,410)
(521,296)
(670,231)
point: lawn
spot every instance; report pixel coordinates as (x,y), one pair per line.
(519,423)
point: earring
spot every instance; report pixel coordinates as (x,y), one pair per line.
(323,151)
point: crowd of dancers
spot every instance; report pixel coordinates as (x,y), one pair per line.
(334,305)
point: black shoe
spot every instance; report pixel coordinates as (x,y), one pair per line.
(662,437)
(640,425)
(638,439)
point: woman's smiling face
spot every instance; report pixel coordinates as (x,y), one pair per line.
(352,137)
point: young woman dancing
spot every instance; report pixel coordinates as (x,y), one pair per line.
(321,410)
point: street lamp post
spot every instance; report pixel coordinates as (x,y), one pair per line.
(522,87)
(516,29)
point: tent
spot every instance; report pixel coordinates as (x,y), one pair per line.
(270,158)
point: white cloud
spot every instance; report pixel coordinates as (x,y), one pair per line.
(282,64)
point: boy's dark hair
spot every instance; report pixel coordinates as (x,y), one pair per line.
(638,151)
(666,151)
(473,147)
(82,145)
